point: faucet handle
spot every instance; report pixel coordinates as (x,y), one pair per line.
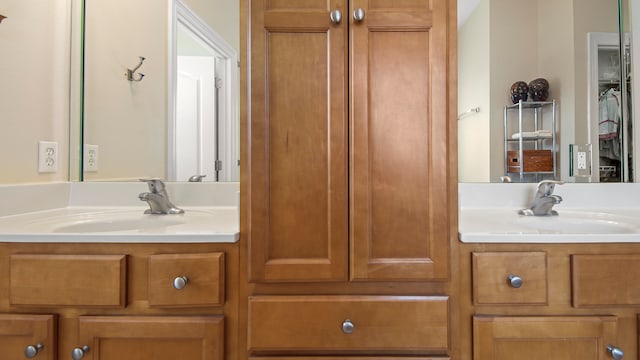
(549,181)
(196,178)
(545,187)
(155,185)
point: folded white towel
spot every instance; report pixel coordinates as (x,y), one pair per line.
(533,134)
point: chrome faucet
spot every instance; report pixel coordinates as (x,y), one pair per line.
(543,202)
(158,199)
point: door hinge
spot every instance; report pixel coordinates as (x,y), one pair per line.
(218,165)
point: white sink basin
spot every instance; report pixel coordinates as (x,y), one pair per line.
(122,224)
(577,223)
(505,225)
(115,225)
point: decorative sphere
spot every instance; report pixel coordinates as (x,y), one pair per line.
(519,91)
(539,89)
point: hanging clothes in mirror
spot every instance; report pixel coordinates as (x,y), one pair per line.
(610,115)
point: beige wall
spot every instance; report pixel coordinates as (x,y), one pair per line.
(589,16)
(558,64)
(513,56)
(34,87)
(473,84)
(222,15)
(126,119)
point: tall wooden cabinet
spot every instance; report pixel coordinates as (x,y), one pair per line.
(349,142)
(348,178)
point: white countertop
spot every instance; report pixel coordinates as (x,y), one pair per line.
(589,213)
(112,213)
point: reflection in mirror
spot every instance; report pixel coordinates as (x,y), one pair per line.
(203,121)
(501,42)
(136,129)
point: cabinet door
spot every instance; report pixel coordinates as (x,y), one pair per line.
(298,142)
(399,140)
(549,338)
(18,331)
(152,338)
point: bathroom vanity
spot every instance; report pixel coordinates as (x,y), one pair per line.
(557,292)
(77,288)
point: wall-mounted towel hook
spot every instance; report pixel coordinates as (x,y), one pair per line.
(132,72)
(2,17)
(470,111)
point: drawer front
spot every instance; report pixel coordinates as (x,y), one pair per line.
(201,274)
(605,280)
(68,280)
(394,324)
(509,278)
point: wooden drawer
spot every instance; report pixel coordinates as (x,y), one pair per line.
(393,324)
(605,280)
(68,280)
(204,274)
(492,283)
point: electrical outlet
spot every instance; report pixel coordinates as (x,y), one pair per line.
(582,160)
(47,156)
(90,158)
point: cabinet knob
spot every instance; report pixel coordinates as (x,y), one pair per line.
(515,281)
(358,14)
(336,16)
(78,353)
(615,352)
(348,327)
(180,282)
(32,350)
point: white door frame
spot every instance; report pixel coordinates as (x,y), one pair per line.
(229,93)
(594,41)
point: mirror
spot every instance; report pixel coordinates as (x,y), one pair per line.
(501,42)
(176,115)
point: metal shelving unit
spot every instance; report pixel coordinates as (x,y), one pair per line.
(528,122)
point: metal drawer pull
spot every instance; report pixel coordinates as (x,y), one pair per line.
(615,352)
(180,282)
(336,16)
(348,327)
(32,350)
(515,281)
(78,353)
(358,14)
